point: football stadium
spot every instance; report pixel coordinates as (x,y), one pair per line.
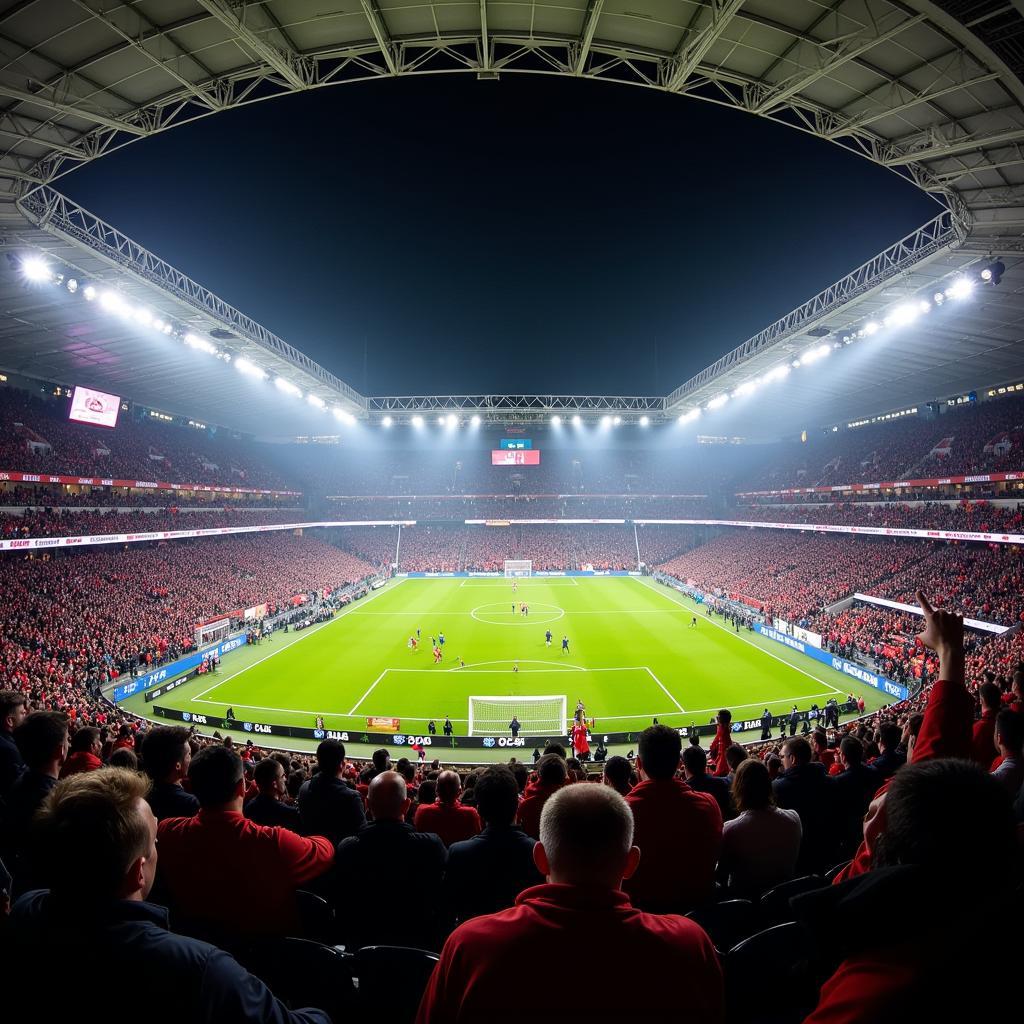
(430,563)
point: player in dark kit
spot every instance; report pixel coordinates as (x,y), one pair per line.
(565,645)
(547,638)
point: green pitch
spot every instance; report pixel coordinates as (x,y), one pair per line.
(633,656)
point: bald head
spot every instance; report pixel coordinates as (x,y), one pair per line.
(387,797)
(586,837)
(449,785)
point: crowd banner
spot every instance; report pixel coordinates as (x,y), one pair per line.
(153,485)
(888,485)
(799,632)
(913,609)
(175,668)
(849,668)
(440,743)
(34,543)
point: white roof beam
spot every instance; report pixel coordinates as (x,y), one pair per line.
(70,109)
(583,44)
(693,49)
(383,36)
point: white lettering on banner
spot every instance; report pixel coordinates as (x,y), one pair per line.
(510,741)
(230,645)
(192,716)
(333,734)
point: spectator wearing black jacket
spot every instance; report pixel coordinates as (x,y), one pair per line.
(695,770)
(13,711)
(267,807)
(804,786)
(388,873)
(99,835)
(852,791)
(166,756)
(486,873)
(891,758)
(327,805)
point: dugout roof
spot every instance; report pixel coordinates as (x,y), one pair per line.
(931,91)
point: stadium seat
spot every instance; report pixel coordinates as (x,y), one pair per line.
(301,972)
(394,977)
(769,977)
(775,903)
(316,916)
(728,922)
(833,872)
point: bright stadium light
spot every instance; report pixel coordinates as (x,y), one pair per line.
(143,316)
(689,417)
(645,421)
(440,421)
(452,420)
(924,306)
(316,401)
(35,268)
(556,421)
(417,422)
(960,288)
(288,387)
(113,303)
(386,422)
(89,292)
(617,420)
(576,421)
(194,341)
(474,421)
(718,402)
(777,373)
(871,328)
(748,387)
(606,421)
(902,315)
(938,298)
(250,369)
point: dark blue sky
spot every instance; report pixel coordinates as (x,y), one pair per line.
(532,234)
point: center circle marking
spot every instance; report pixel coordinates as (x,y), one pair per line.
(499,613)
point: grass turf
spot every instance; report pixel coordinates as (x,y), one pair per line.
(633,656)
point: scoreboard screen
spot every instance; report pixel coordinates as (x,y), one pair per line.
(505,457)
(88,406)
(515,444)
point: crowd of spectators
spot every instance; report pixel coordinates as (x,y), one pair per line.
(115,834)
(19,496)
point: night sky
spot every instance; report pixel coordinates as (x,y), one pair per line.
(528,235)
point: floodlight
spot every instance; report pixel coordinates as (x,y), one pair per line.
(316,401)
(288,387)
(871,327)
(606,421)
(960,288)
(417,421)
(994,272)
(144,317)
(72,285)
(35,268)
(387,421)
(474,421)
(617,420)
(112,302)
(688,417)
(89,292)
(938,298)
(576,421)
(718,402)
(244,366)
(452,420)
(193,341)
(746,388)
(905,314)
(440,421)
(924,306)
(645,421)
(556,421)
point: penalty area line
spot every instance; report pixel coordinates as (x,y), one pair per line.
(369,690)
(664,690)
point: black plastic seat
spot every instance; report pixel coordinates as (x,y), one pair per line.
(769,977)
(301,972)
(394,977)
(775,903)
(316,916)
(830,875)
(727,923)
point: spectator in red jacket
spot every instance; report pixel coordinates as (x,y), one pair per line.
(722,742)
(678,829)
(224,871)
(84,753)
(585,850)
(943,820)
(551,777)
(448,816)
(983,743)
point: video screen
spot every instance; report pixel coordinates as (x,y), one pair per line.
(96,407)
(510,458)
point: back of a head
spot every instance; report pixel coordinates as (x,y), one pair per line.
(163,747)
(521,774)
(752,786)
(991,696)
(952,818)
(381,759)
(386,796)
(124,757)
(819,738)
(10,701)
(555,748)
(330,756)
(799,748)
(497,795)
(427,793)
(852,751)
(735,756)
(586,832)
(84,739)
(215,774)
(659,750)
(91,829)
(551,770)
(40,736)
(695,761)
(617,772)
(1010,730)
(266,772)
(889,735)
(449,785)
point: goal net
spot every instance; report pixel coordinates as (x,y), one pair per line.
(518,567)
(538,716)
(212,632)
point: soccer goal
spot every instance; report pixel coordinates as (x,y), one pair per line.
(518,567)
(538,716)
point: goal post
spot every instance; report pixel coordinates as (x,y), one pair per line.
(538,716)
(518,567)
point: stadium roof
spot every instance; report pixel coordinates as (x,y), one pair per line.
(931,91)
